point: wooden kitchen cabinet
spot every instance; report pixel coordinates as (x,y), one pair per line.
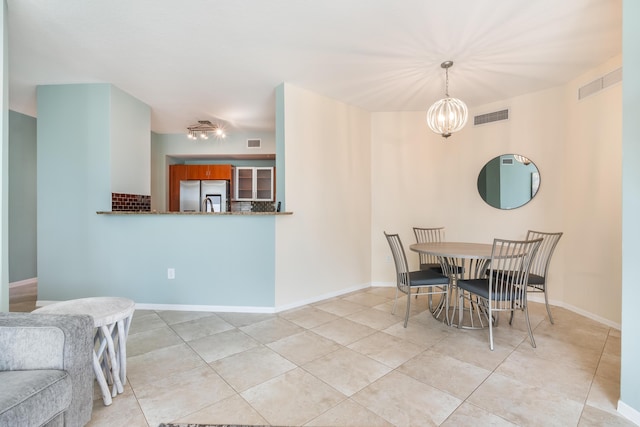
(254,183)
(209,172)
(196,171)
(177,173)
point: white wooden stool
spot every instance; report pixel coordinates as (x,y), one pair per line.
(111,318)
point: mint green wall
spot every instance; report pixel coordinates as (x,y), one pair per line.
(221,260)
(630,355)
(130,144)
(73,183)
(4,169)
(22,197)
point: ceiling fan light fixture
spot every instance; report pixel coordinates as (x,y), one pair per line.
(204,128)
(447,115)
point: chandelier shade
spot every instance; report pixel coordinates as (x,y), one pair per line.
(204,128)
(522,159)
(447,115)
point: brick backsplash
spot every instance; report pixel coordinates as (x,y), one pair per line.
(130,202)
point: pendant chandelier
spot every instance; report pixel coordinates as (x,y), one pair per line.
(204,128)
(522,159)
(449,114)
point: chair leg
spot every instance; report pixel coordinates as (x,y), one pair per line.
(460,307)
(446,306)
(546,303)
(490,329)
(512,311)
(406,315)
(395,301)
(526,316)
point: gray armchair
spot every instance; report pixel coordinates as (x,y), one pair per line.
(46,369)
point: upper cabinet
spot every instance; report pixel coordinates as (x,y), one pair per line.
(209,172)
(254,183)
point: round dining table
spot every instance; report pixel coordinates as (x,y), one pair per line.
(460,260)
(455,249)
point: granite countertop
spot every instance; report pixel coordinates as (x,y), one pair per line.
(188,213)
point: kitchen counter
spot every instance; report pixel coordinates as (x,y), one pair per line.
(190,213)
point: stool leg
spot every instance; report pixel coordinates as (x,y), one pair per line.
(122,351)
(97,369)
(112,357)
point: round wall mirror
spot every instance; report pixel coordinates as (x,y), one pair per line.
(508,181)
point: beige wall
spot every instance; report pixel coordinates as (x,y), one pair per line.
(420,179)
(593,198)
(324,247)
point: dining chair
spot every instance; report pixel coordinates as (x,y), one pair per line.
(540,264)
(429,235)
(504,288)
(432,262)
(406,280)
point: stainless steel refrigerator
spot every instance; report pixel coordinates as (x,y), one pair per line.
(203,196)
(213,195)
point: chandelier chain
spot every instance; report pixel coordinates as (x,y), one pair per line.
(446,87)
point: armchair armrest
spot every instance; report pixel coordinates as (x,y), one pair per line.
(46,341)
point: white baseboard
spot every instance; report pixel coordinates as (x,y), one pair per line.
(628,412)
(233,308)
(277,309)
(188,307)
(540,298)
(383,284)
(25,282)
(320,298)
(206,308)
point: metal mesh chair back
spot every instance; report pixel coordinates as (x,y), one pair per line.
(504,287)
(429,235)
(400,260)
(509,273)
(431,281)
(540,263)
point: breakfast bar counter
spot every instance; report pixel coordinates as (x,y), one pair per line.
(190,213)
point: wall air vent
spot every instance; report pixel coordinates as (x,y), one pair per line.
(254,143)
(491,117)
(600,83)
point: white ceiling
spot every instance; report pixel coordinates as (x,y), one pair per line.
(221,60)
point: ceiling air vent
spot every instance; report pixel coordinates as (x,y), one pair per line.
(600,83)
(507,161)
(491,117)
(254,143)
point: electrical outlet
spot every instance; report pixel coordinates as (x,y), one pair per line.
(171,273)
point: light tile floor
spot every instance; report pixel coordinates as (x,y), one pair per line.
(348,362)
